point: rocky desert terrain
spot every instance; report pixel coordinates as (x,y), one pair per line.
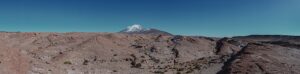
(122,53)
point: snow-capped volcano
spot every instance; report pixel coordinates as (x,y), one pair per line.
(138,29)
(135,28)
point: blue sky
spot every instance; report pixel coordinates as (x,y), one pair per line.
(185,17)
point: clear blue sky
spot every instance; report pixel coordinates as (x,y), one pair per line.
(186,17)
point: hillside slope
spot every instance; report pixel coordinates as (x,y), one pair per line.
(119,53)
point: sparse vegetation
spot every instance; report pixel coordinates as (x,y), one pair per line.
(136,65)
(115,71)
(68,62)
(158,72)
(115,54)
(85,62)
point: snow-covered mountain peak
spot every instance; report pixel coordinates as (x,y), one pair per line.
(135,28)
(138,29)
